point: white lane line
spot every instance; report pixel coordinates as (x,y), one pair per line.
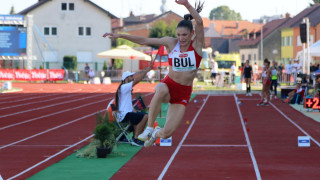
(254,162)
(37,97)
(56,104)
(39,145)
(247,99)
(14,96)
(295,124)
(41,101)
(47,159)
(165,169)
(220,94)
(214,145)
(51,129)
(48,115)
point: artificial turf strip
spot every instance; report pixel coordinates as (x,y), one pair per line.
(73,167)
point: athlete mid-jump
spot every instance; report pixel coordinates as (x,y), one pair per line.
(184,59)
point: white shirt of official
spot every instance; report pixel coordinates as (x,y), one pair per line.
(233,69)
(288,68)
(214,67)
(125,100)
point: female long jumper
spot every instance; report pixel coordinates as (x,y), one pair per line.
(184,59)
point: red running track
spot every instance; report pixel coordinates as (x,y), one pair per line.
(218,146)
(57,120)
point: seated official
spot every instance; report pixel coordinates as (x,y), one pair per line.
(123,104)
(295,96)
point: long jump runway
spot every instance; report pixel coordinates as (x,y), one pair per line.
(226,140)
(47,122)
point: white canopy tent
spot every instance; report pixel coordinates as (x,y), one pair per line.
(314,51)
(126,53)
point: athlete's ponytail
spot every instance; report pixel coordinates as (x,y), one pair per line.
(186,22)
(117,96)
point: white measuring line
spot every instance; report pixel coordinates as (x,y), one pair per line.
(214,145)
(295,124)
(37,97)
(47,159)
(51,129)
(39,145)
(43,107)
(254,162)
(247,99)
(181,142)
(41,101)
(59,112)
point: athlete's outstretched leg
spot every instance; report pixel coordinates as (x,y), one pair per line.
(174,117)
(161,96)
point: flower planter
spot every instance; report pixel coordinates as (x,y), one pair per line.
(102,152)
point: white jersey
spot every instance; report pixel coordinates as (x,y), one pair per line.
(182,61)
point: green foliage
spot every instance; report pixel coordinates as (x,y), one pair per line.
(121,41)
(41,67)
(315,2)
(105,131)
(70,62)
(105,66)
(224,13)
(161,29)
(118,63)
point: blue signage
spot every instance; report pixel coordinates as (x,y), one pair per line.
(13,41)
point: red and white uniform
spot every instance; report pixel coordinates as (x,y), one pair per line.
(180,62)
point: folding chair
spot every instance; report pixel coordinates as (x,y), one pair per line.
(113,117)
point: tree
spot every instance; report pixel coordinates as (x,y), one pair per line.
(162,29)
(224,13)
(12,10)
(315,2)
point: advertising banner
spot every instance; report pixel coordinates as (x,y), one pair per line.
(56,74)
(6,74)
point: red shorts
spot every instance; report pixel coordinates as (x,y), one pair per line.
(267,81)
(179,94)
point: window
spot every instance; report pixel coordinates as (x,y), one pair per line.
(288,41)
(84,31)
(63,6)
(88,31)
(299,41)
(249,57)
(242,57)
(46,31)
(255,57)
(67,6)
(80,31)
(53,31)
(50,31)
(285,41)
(71,6)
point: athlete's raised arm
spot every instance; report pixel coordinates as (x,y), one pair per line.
(194,12)
(165,41)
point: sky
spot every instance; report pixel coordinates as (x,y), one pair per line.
(249,9)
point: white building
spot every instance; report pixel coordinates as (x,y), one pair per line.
(67,27)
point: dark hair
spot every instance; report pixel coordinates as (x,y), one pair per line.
(186,22)
(116,98)
(266,61)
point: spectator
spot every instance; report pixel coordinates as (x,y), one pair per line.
(150,76)
(233,73)
(92,74)
(255,73)
(296,69)
(123,103)
(296,95)
(274,79)
(280,69)
(312,68)
(214,71)
(317,88)
(288,69)
(86,72)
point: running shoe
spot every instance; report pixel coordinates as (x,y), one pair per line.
(150,141)
(265,104)
(123,139)
(145,135)
(247,94)
(250,94)
(137,142)
(260,103)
